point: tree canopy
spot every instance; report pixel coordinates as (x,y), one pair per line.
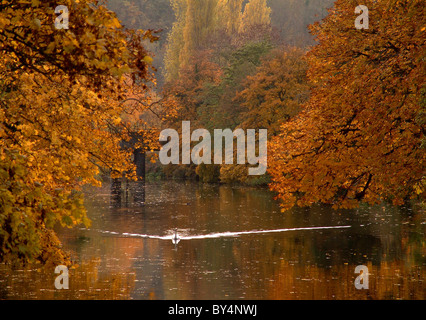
(60,116)
(359,137)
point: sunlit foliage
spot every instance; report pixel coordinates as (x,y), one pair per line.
(359,137)
(60,116)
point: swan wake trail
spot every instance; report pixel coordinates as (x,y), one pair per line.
(217,234)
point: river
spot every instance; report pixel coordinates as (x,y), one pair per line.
(234,244)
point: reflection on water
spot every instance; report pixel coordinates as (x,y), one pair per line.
(230,251)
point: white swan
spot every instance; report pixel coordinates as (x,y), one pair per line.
(176,238)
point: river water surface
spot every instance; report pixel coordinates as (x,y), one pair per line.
(234,244)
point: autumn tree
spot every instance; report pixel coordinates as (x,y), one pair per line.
(195,21)
(60,117)
(359,137)
(276,91)
(213,25)
(230,15)
(221,109)
(189,91)
(256,13)
(175,41)
(200,21)
(270,97)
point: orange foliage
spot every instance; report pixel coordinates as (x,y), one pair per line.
(60,116)
(186,93)
(359,137)
(274,94)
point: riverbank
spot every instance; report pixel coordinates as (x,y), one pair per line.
(222,174)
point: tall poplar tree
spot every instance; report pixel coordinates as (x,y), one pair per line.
(195,21)
(230,15)
(256,13)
